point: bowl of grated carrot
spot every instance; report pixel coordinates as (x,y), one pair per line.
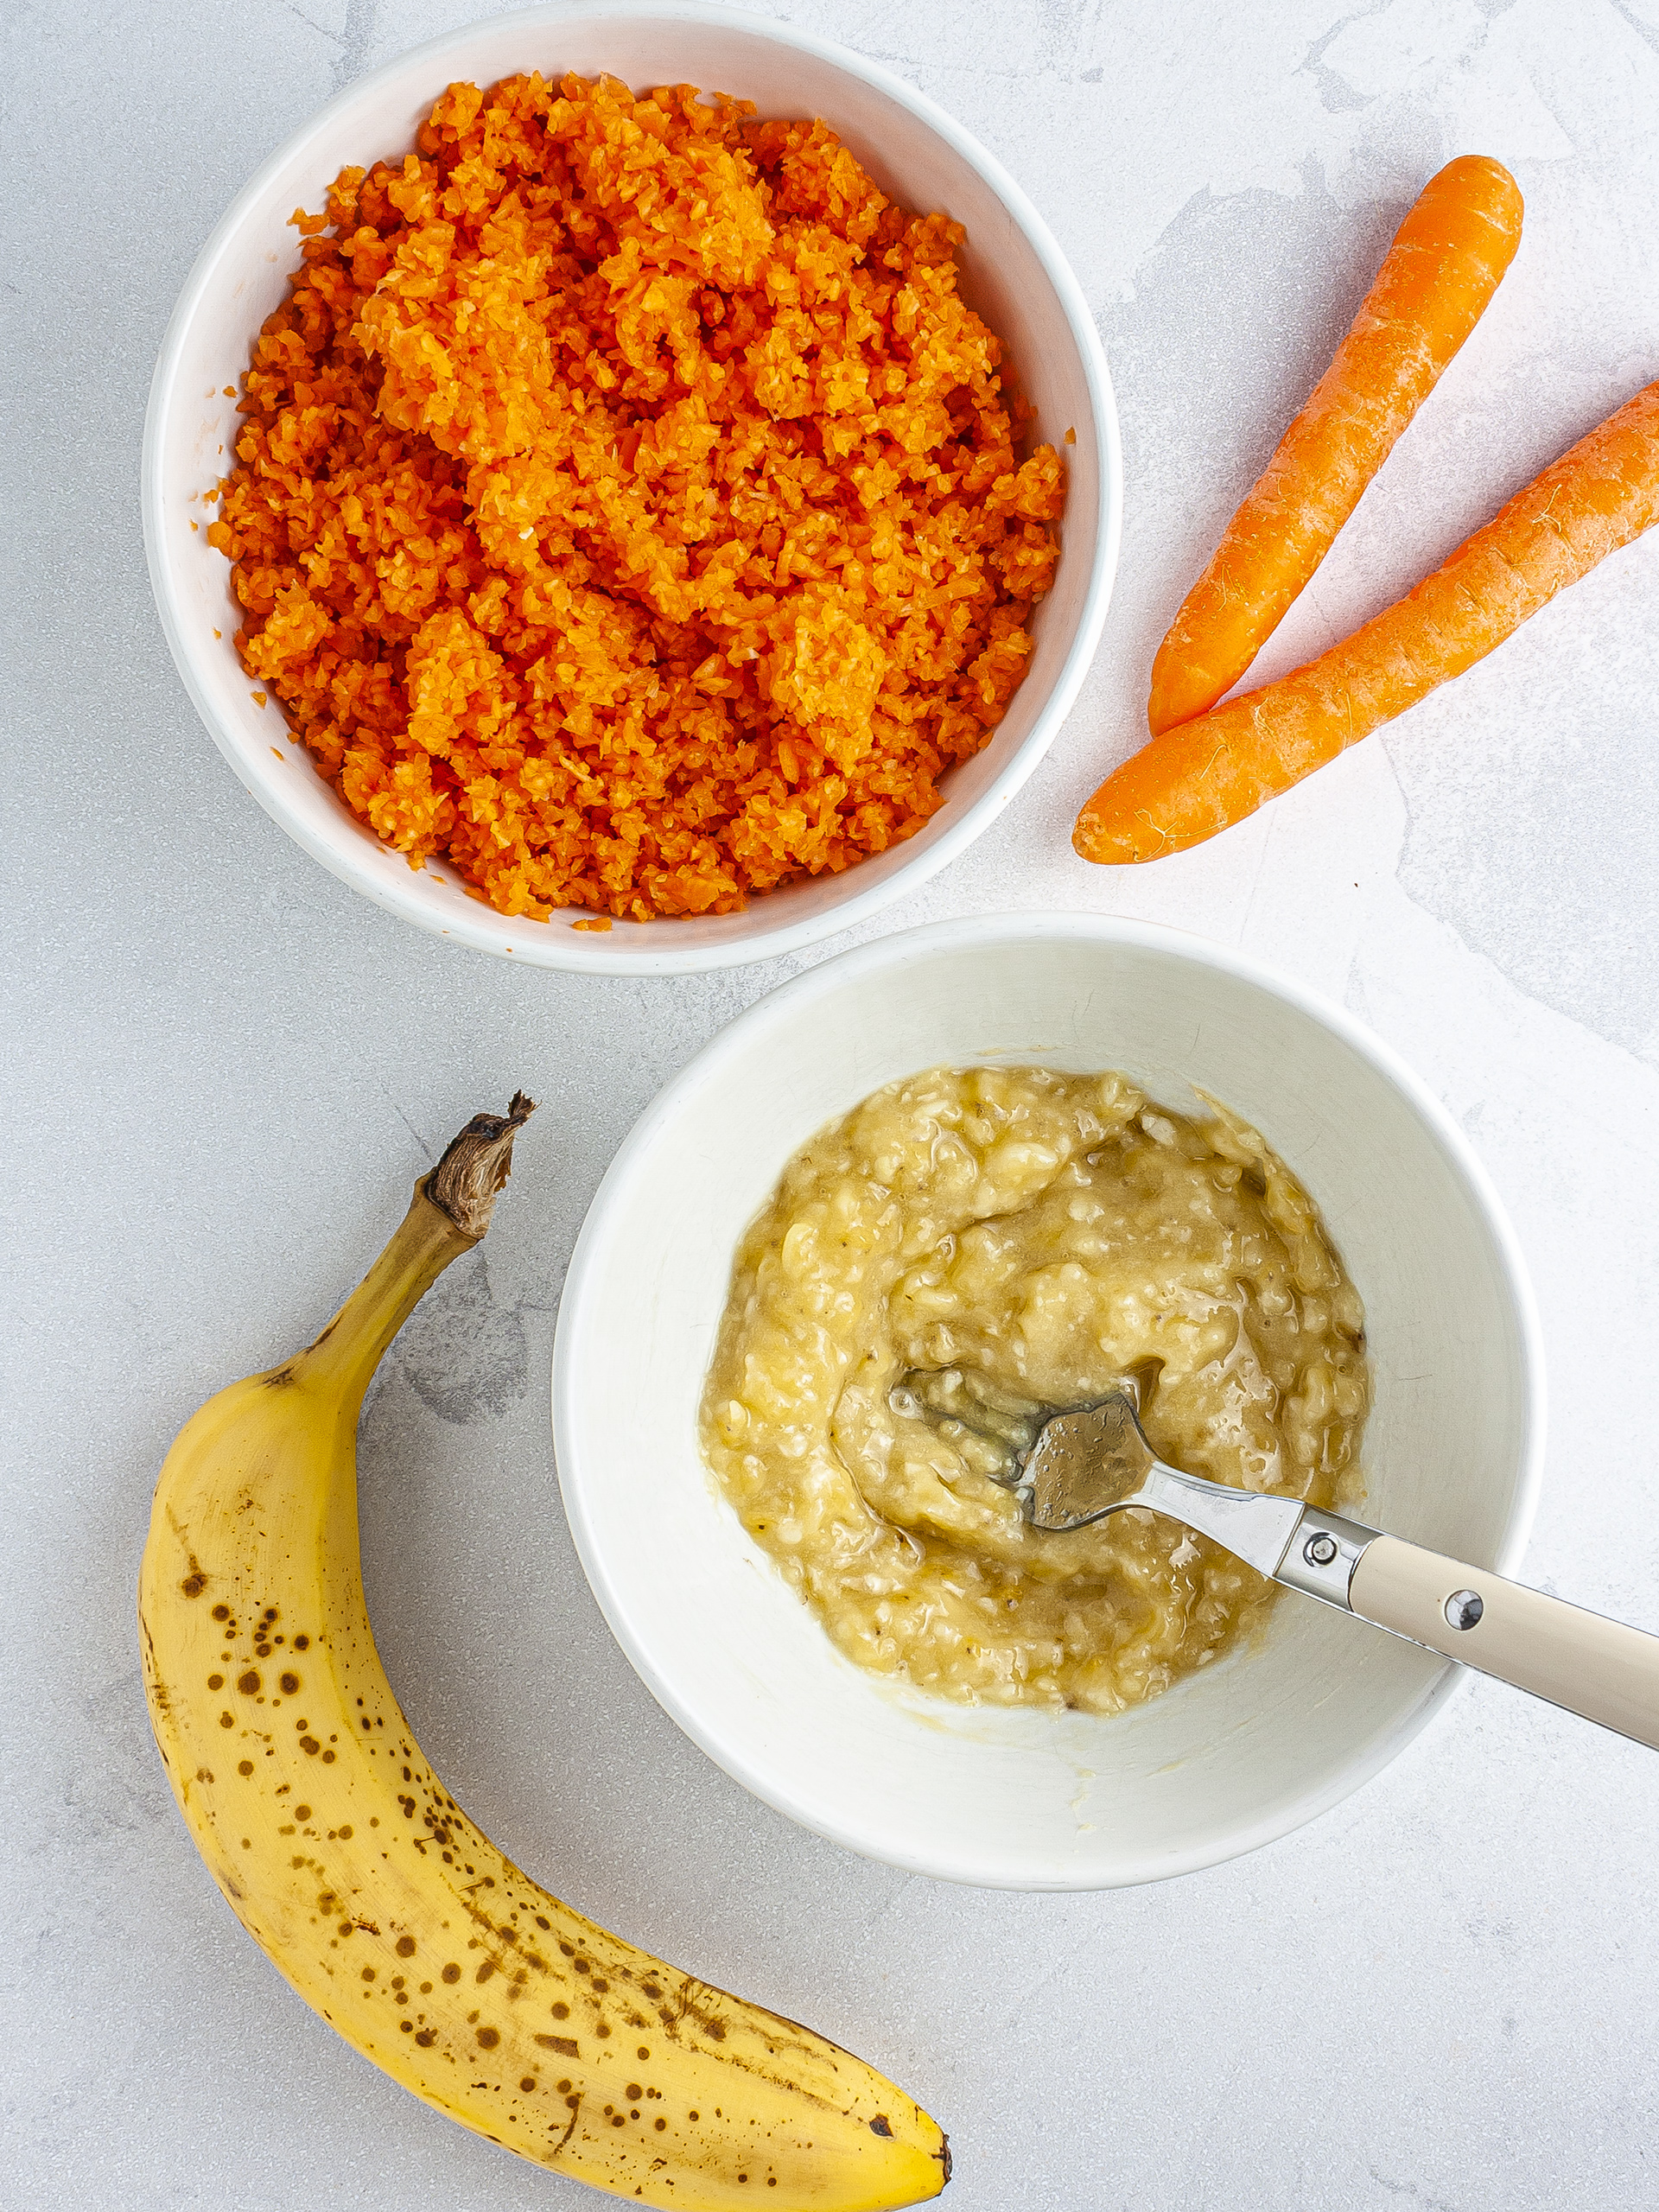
(631,490)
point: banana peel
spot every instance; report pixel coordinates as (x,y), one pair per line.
(382,1903)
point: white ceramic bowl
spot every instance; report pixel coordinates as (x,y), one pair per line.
(1013,273)
(1231,1757)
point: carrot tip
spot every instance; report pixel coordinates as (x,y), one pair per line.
(1108,846)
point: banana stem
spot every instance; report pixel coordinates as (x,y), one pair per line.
(448,1214)
(465,1180)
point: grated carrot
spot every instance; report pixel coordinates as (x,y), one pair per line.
(628,509)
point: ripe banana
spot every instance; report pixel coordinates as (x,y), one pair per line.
(343,1854)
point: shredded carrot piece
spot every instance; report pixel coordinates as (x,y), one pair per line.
(628,508)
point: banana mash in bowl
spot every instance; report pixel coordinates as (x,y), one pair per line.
(969,1246)
(978,1169)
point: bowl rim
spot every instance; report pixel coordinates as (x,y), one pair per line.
(567,949)
(852,967)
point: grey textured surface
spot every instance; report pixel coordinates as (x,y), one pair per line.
(222,1070)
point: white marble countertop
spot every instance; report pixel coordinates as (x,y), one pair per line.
(223,1069)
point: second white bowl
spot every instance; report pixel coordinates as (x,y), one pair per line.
(1232,1756)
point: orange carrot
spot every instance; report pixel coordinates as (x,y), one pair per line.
(1184,785)
(1448,259)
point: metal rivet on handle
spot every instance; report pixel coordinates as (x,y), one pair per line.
(1319,1551)
(1463,1608)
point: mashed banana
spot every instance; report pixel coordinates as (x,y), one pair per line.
(986,1240)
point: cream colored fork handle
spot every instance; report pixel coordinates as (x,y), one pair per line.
(1598,1668)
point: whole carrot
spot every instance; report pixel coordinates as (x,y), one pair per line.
(1448,259)
(1184,785)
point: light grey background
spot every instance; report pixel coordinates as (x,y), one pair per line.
(223,1071)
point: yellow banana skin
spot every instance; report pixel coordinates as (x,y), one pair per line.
(382,1903)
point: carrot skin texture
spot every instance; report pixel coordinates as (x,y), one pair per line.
(1448,259)
(1203,776)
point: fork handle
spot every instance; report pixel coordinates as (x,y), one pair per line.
(1589,1665)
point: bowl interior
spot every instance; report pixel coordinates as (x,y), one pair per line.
(1268,1736)
(1012,275)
